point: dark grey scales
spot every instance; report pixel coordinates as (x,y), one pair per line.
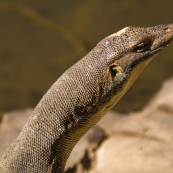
(80,97)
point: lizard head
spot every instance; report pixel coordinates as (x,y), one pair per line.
(137,46)
(127,52)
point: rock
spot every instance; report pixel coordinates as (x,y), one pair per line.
(163,98)
(142,146)
(129,153)
(11,126)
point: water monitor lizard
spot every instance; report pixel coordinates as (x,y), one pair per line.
(80,97)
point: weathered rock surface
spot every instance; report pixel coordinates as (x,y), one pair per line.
(140,142)
(11,126)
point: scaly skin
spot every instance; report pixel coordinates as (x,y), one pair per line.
(80,97)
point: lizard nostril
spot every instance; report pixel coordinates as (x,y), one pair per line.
(167,29)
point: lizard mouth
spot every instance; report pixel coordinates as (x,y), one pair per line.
(156,51)
(144,58)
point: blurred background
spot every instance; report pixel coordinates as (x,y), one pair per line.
(40,39)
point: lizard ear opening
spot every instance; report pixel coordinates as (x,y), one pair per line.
(115,69)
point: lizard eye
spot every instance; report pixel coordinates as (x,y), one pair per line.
(141,47)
